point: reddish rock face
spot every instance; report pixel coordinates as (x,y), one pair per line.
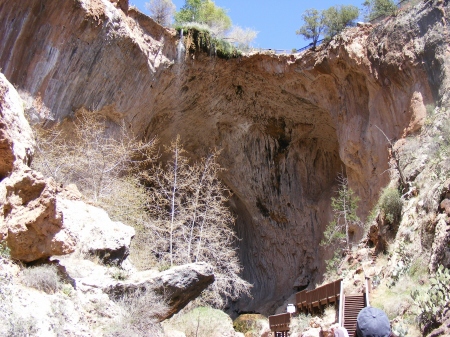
(16,138)
(287,124)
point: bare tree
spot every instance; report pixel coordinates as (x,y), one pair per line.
(161,11)
(168,202)
(87,155)
(241,37)
(191,222)
(104,168)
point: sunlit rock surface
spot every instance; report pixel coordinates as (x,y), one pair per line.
(287,124)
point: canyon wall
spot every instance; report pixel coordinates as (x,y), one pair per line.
(286,124)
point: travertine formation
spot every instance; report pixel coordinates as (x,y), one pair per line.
(287,124)
(39,219)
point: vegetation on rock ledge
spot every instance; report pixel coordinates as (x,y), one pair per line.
(200,39)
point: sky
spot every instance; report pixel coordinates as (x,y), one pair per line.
(275,21)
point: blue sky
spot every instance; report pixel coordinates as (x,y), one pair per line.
(276,21)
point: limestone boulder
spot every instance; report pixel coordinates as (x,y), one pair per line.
(97,233)
(29,219)
(32,223)
(16,137)
(179,285)
(37,218)
(39,221)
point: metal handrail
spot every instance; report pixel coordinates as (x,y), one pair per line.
(367,291)
(341,303)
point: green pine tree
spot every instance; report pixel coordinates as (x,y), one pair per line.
(344,207)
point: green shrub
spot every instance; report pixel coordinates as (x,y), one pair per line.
(4,250)
(379,8)
(199,38)
(400,330)
(202,321)
(299,323)
(391,205)
(206,12)
(333,264)
(117,273)
(418,267)
(44,278)
(436,302)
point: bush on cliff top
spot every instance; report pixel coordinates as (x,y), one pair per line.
(199,38)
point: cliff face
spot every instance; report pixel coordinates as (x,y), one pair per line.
(287,124)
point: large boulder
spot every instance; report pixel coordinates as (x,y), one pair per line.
(32,223)
(16,137)
(97,234)
(39,221)
(178,285)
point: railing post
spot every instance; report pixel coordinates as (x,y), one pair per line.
(367,291)
(341,303)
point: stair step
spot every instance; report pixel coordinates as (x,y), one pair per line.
(353,304)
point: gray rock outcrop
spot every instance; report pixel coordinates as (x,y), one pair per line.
(178,285)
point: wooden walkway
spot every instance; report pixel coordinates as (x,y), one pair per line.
(279,324)
(310,301)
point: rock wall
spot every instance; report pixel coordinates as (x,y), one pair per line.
(287,124)
(38,220)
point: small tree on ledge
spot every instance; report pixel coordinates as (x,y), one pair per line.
(344,207)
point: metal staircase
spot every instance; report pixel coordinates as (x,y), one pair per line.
(352,305)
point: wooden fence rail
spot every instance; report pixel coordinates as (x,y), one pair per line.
(307,301)
(280,322)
